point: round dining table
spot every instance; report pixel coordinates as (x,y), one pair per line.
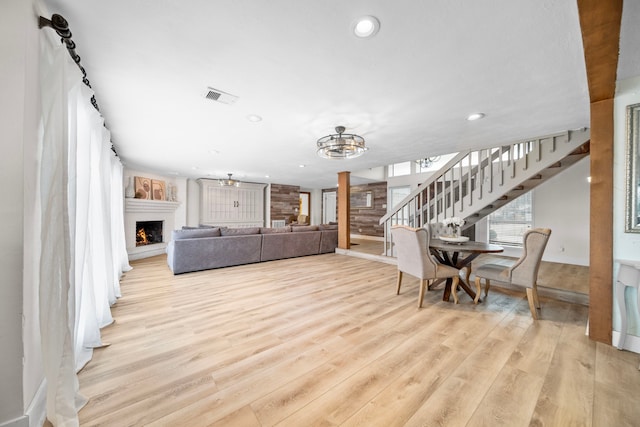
(460,255)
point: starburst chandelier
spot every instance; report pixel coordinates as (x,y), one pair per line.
(427,162)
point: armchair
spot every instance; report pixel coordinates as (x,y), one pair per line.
(523,273)
(412,252)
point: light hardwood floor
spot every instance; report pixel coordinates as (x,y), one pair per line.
(324,340)
(552,275)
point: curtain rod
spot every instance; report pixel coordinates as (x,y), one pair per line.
(61,27)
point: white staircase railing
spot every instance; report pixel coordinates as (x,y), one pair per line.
(475,179)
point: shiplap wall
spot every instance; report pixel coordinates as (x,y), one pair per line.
(284,200)
(364,221)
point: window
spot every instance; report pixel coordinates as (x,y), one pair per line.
(508,224)
(400,169)
(396,195)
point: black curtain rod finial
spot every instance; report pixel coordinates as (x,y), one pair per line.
(61,27)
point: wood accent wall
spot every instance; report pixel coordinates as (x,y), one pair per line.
(284,200)
(364,221)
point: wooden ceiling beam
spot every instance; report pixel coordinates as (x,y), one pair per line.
(600,25)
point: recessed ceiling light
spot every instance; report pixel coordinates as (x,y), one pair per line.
(367,26)
(254,118)
(267,176)
(475,116)
(214,152)
(302,166)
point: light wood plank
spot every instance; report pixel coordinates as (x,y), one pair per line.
(572,368)
(325,340)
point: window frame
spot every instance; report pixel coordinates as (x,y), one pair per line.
(525,224)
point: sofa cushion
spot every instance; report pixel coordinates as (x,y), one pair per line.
(213,252)
(240,231)
(299,228)
(328,226)
(328,241)
(289,245)
(267,230)
(195,233)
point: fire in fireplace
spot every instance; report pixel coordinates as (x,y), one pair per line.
(148,232)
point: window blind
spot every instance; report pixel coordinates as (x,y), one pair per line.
(508,224)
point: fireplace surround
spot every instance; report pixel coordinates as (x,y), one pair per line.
(162,213)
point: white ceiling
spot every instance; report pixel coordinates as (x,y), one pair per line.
(297,64)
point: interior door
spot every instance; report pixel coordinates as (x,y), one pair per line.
(329,207)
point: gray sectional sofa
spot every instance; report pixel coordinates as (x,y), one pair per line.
(194,249)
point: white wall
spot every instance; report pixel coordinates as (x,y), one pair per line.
(193,203)
(625,245)
(179,182)
(562,204)
(18,121)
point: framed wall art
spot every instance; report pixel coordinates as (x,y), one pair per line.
(158,190)
(632,222)
(142,188)
(361,200)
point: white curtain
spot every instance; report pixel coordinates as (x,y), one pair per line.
(57,296)
(83,246)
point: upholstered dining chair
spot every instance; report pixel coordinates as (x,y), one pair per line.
(523,273)
(412,253)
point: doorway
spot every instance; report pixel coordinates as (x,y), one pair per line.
(329,205)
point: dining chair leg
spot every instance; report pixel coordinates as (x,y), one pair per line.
(454,288)
(423,284)
(399,282)
(487,285)
(478,290)
(536,300)
(532,304)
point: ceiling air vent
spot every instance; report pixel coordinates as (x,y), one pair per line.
(220,96)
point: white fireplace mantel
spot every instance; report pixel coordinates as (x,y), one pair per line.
(147,210)
(142,205)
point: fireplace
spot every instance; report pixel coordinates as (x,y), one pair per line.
(148,232)
(137,211)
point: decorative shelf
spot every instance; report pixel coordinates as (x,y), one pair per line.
(142,205)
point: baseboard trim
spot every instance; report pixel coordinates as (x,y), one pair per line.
(147,253)
(23,421)
(631,343)
(37,410)
(365,237)
(370,257)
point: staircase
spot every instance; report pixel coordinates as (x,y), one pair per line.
(475,183)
